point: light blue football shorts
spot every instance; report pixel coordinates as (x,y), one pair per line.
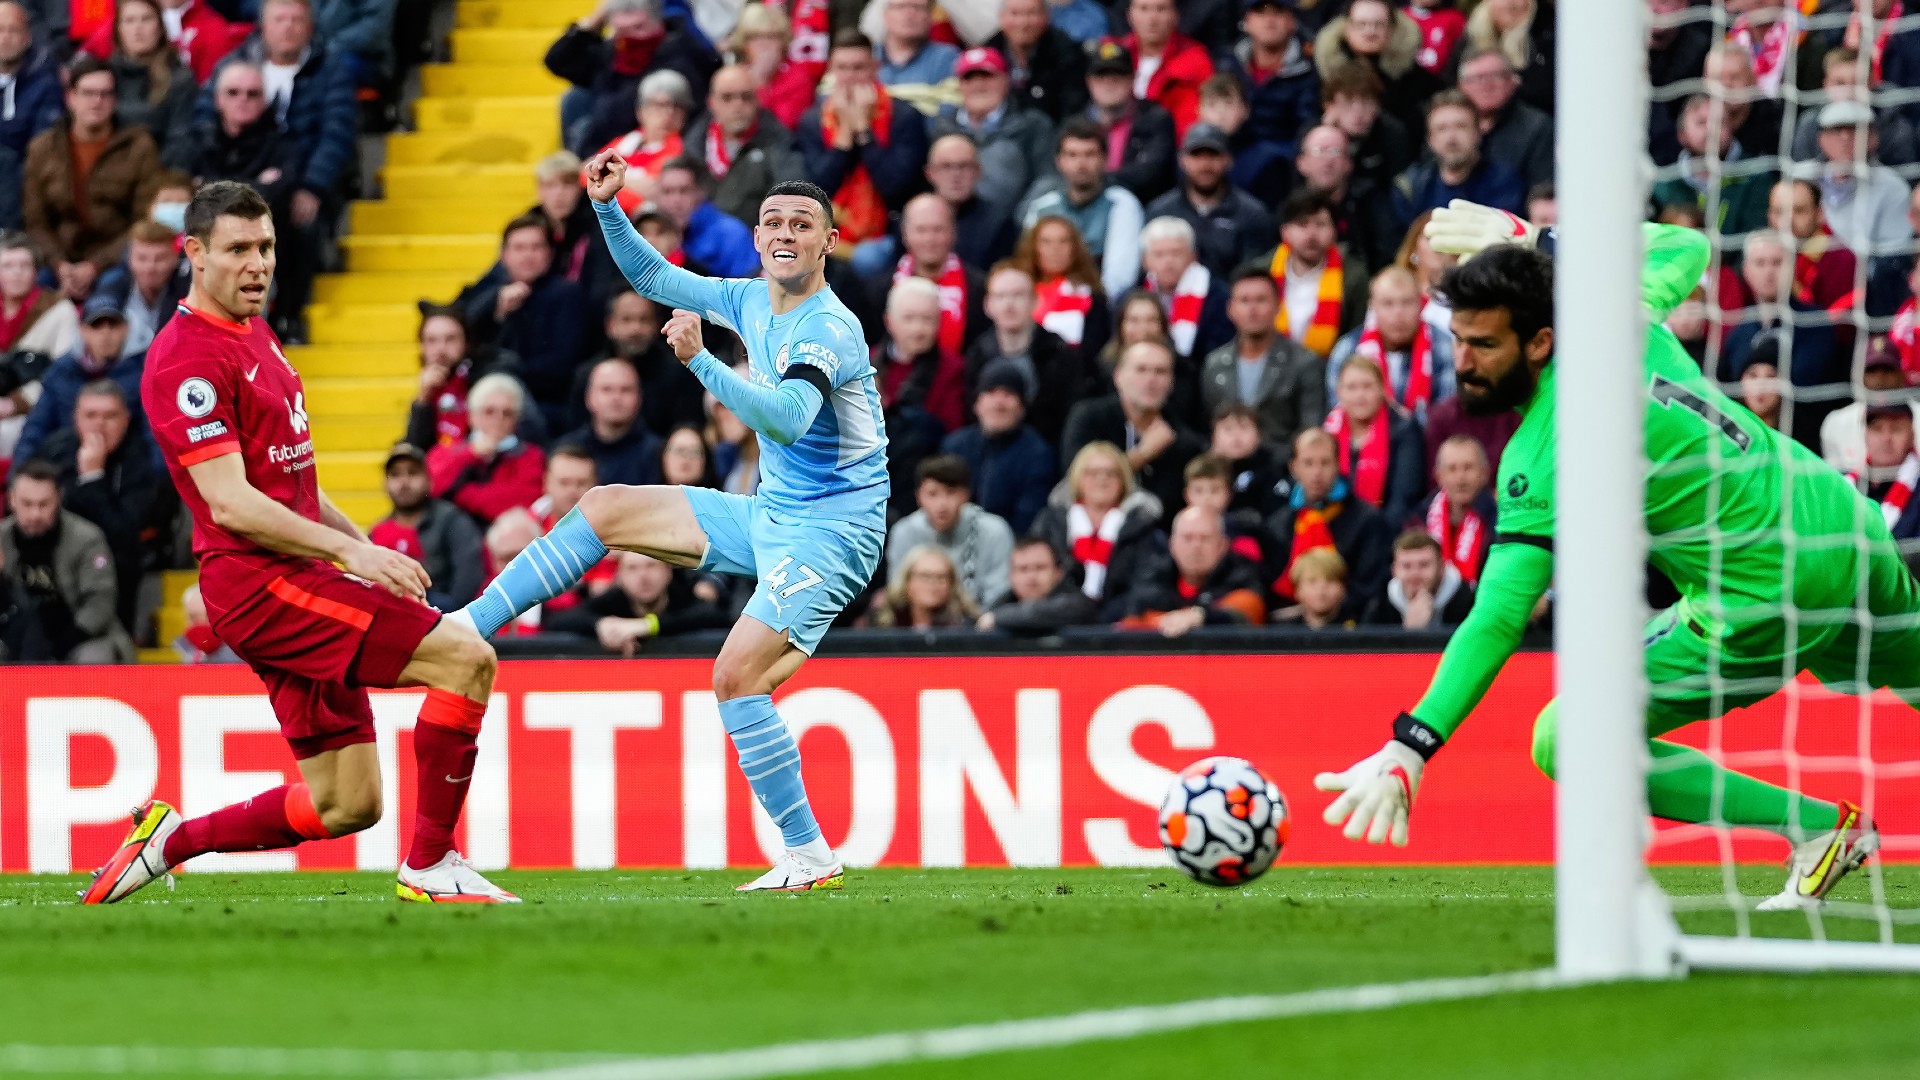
(809,570)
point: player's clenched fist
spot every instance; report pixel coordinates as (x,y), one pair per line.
(683,333)
(605,174)
(388,568)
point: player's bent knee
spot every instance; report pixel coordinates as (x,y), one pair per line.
(350,812)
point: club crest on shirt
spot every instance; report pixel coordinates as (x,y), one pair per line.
(780,362)
(195,397)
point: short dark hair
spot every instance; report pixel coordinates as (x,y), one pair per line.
(1207,467)
(1543,190)
(36,469)
(1506,276)
(533,219)
(1080,128)
(1307,202)
(1452,99)
(947,470)
(572,450)
(14,240)
(1240,410)
(1417,538)
(694,167)
(223,198)
(805,189)
(430,311)
(1352,79)
(89,65)
(848,37)
(1253,271)
(1027,543)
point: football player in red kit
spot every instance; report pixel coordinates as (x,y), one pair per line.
(230,414)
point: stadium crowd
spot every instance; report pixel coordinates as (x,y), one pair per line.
(1145,286)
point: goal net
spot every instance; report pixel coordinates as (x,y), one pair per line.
(1772,143)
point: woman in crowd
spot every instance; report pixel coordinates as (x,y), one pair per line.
(32,320)
(1523,32)
(1378,34)
(736,451)
(924,594)
(1139,318)
(154,87)
(763,41)
(1381,454)
(685,458)
(492,470)
(1103,530)
(1072,302)
(666,101)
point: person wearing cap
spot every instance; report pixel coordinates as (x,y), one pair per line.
(1012,465)
(1054,375)
(1229,225)
(1840,81)
(1046,63)
(103,333)
(1843,435)
(1013,142)
(1865,202)
(1168,65)
(1275,67)
(433,532)
(1457,168)
(1137,134)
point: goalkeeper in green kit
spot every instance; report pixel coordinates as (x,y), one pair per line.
(1746,522)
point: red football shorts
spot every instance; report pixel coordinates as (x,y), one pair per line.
(317,637)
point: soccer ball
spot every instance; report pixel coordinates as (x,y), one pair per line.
(1223,822)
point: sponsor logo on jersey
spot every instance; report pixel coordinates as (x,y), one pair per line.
(1517,485)
(297,456)
(822,357)
(203,432)
(195,397)
(297,413)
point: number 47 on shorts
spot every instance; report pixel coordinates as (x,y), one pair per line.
(777,579)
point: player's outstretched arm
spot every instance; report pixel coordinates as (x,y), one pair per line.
(782,413)
(240,508)
(649,271)
(1376,795)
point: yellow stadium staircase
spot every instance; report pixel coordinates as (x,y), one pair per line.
(480,124)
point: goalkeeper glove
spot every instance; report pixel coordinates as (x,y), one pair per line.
(1466,229)
(1377,793)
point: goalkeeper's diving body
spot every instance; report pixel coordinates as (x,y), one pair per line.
(1747,523)
(812,534)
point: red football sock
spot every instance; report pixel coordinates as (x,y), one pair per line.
(445,743)
(278,818)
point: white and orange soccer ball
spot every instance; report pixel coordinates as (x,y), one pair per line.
(1223,822)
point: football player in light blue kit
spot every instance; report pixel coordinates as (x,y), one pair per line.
(813,533)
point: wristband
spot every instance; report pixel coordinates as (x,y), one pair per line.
(1417,736)
(653,624)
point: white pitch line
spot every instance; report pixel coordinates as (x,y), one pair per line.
(797,1058)
(22,1059)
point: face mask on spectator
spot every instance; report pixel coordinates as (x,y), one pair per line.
(171,214)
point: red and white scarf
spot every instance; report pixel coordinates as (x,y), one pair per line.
(1902,336)
(719,158)
(952,284)
(1894,502)
(1882,32)
(1369,474)
(1460,545)
(1184,306)
(1418,389)
(1769,47)
(1093,547)
(1062,308)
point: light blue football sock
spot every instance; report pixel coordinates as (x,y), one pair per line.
(771,761)
(548,567)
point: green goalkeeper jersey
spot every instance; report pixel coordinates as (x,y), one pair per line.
(1737,514)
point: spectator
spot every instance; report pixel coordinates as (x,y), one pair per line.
(1760,389)
(1085,21)
(1263,369)
(1362,220)
(1756,120)
(108,477)
(1045,63)
(922,384)
(1202,583)
(922,594)
(534,312)
(1843,434)
(686,460)
(155,88)
(1252,463)
(1194,299)
(1813,361)
(1043,600)
(243,141)
(1051,375)
(1427,266)
(786,67)
(1523,31)
(32,79)
(1137,137)
(649,599)
(85,181)
(1320,298)
(1381,145)
(1417,361)
(1168,65)
(1736,192)
(492,471)
(978,543)
(63,563)
(429,530)
(1382,38)
(606,71)
(1461,515)
(1322,513)
(1140,317)
(1511,131)
(1229,225)
(1210,487)
(670,396)
(1274,66)
(1426,592)
(1823,267)
(736,450)
(1441,27)
(1892,471)
(623,450)
(1070,297)
(1134,417)
(569,474)
(913,67)
(1447,420)
(1101,528)
(1107,216)
(926,231)
(663,103)
(718,241)
(1457,169)
(1258,167)
(103,332)
(1878,28)
(35,325)
(579,247)
(203,36)
(1012,464)
(1382,455)
(147,286)
(1842,83)
(448,367)
(864,151)
(1865,202)
(1676,49)
(1543,206)
(1013,143)
(198,643)
(984,232)
(1317,581)
(747,149)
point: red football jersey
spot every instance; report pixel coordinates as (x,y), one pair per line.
(213,387)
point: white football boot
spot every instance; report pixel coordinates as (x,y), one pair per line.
(1817,865)
(140,859)
(792,873)
(452,880)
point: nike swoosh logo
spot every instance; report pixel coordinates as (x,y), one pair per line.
(1810,885)
(255,371)
(459,779)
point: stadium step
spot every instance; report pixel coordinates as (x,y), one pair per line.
(469,254)
(353,361)
(379,288)
(506,45)
(430,217)
(327,397)
(477,147)
(458,183)
(549,16)
(529,114)
(354,471)
(473,80)
(162,654)
(362,507)
(359,324)
(350,433)
(174,583)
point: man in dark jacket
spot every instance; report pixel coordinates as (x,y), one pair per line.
(1044,601)
(32,102)
(1458,168)
(1055,376)
(243,141)
(1229,225)
(1275,67)
(63,563)
(859,159)
(1015,143)
(745,148)
(984,232)
(108,476)
(1319,510)
(431,531)
(1199,582)
(608,69)
(539,315)
(1011,464)
(669,394)
(1145,128)
(1426,592)
(624,451)
(1048,69)
(1278,378)
(103,330)
(1133,419)
(649,599)
(1512,132)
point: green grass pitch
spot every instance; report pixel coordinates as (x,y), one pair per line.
(637,962)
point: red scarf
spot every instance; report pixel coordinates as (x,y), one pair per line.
(1184,307)
(1462,545)
(952,284)
(719,162)
(1902,336)
(640,157)
(1419,388)
(1894,502)
(1312,530)
(1769,49)
(1882,31)
(12,326)
(1369,474)
(632,55)
(1093,547)
(858,209)
(1062,307)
